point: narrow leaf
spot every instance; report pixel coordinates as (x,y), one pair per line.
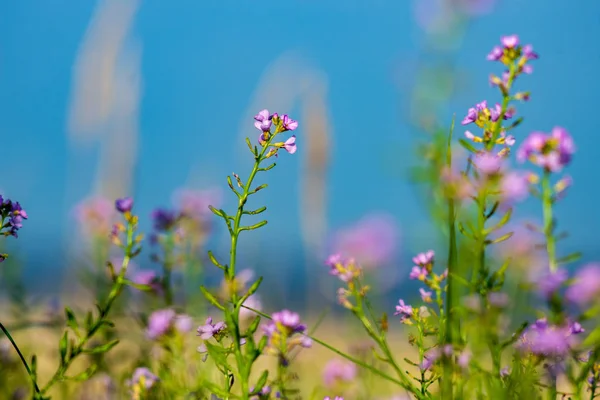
(211,299)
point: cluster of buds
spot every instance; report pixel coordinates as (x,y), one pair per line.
(12,217)
(487,119)
(264,121)
(349,272)
(551,151)
(285,333)
(423,271)
(514,57)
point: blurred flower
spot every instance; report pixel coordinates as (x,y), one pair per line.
(124,205)
(372,241)
(551,282)
(464,359)
(162,322)
(497,299)
(544,339)
(425,295)
(339,371)
(252,302)
(345,270)
(586,285)
(514,186)
(405,311)
(15,214)
(550,151)
(143,377)
(285,332)
(164,219)
(148,278)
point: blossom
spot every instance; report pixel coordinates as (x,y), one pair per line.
(252,302)
(488,163)
(419,273)
(372,240)
(514,186)
(334,398)
(290,144)
(162,322)
(424,259)
(209,329)
(285,332)
(148,278)
(263,120)
(15,214)
(288,123)
(144,377)
(124,204)
(548,340)
(511,50)
(345,270)
(163,219)
(405,311)
(464,359)
(425,295)
(551,282)
(550,151)
(586,285)
(481,115)
(339,371)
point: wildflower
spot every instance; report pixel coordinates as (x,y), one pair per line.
(514,186)
(143,378)
(425,295)
(209,330)
(551,282)
(586,285)
(148,278)
(372,240)
(405,311)
(95,215)
(550,151)
(290,144)
(162,322)
(288,123)
(481,115)
(164,220)
(263,393)
(419,273)
(562,185)
(346,270)
(424,259)
(124,205)
(488,164)
(252,302)
(15,214)
(547,340)
(263,121)
(284,333)
(504,372)
(339,371)
(511,51)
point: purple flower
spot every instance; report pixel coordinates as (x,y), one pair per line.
(148,278)
(550,283)
(419,273)
(345,270)
(488,163)
(288,123)
(586,285)
(183,323)
(163,219)
(425,295)
(514,186)
(339,371)
(143,376)
(504,372)
(464,359)
(529,53)
(510,41)
(263,121)
(334,398)
(547,340)
(209,329)
(405,311)
(430,358)
(290,144)
(284,333)
(159,323)
(551,152)
(498,300)
(124,205)
(372,241)
(575,328)
(470,117)
(424,259)
(496,54)
(288,320)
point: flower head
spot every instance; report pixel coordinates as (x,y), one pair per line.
(209,330)
(263,120)
(550,151)
(290,144)
(163,219)
(124,204)
(163,322)
(288,123)
(586,285)
(144,378)
(551,282)
(285,332)
(339,371)
(405,311)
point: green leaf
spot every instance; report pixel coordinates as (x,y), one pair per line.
(268,168)
(63,347)
(570,258)
(252,149)
(85,375)
(500,239)
(503,221)
(255,212)
(212,258)
(261,187)
(102,348)
(251,291)
(218,391)
(593,338)
(218,213)
(211,299)
(262,343)
(71,319)
(467,145)
(218,354)
(261,382)
(89,320)
(254,326)
(253,227)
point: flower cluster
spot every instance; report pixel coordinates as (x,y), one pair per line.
(285,332)
(264,121)
(551,151)
(12,217)
(514,57)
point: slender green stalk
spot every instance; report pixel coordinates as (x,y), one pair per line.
(25,364)
(59,375)
(547,201)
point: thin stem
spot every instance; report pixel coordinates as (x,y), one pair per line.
(25,364)
(549,221)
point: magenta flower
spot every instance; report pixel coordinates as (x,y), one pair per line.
(481,114)
(405,311)
(464,359)
(514,186)
(419,273)
(209,329)
(159,323)
(488,163)
(425,295)
(424,259)
(334,398)
(289,320)
(290,144)
(263,120)
(288,123)
(143,376)
(550,151)
(548,340)
(339,371)
(586,285)
(124,205)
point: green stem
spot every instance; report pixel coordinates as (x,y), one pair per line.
(29,372)
(167,268)
(549,221)
(59,375)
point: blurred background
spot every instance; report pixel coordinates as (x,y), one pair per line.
(144,98)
